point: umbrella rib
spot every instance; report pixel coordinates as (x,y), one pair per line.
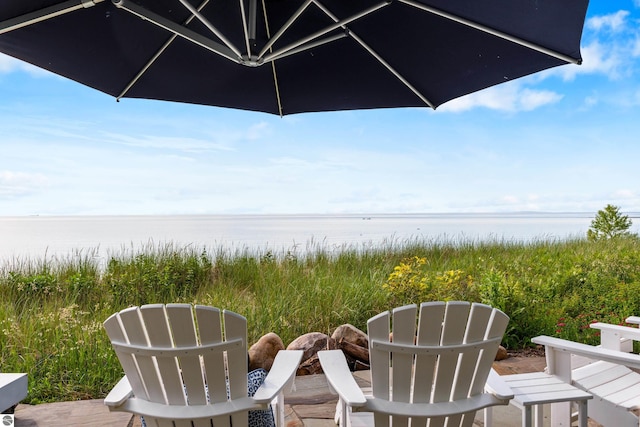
(156,55)
(277,87)
(279,55)
(146,67)
(494,32)
(393,71)
(284,28)
(178,30)
(338,24)
(44,14)
(210,26)
(380,59)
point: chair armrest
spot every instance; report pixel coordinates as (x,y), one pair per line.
(614,336)
(635,320)
(340,378)
(623,331)
(597,353)
(119,394)
(283,371)
(498,387)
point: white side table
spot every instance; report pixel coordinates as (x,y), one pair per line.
(13,388)
(533,390)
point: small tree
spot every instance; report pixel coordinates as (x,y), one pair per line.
(609,223)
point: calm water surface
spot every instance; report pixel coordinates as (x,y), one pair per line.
(37,237)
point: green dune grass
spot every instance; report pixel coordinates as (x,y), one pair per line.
(52,311)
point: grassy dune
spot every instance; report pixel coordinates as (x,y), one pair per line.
(52,311)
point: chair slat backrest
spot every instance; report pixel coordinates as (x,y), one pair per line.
(379,329)
(237,363)
(425,364)
(438,352)
(211,366)
(214,363)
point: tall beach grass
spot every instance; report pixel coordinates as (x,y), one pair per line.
(52,311)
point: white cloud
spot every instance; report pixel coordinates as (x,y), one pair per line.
(612,44)
(626,99)
(598,58)
(510,200)
(184,144)
(509,97)
(624,194)
(591,101)
(531,99)
(9,64)
(635,47)
(490,98)
(16,184)
(258,130)
(614,22)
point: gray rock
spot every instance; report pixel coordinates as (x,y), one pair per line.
(310,344)
(350,334)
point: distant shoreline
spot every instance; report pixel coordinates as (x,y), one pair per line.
(43,235)
(577,214)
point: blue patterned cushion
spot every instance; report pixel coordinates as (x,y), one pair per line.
(258,418)
(262,417)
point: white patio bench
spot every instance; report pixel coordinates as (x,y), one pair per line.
(609,372)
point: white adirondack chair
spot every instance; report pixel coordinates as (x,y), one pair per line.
(435,367)
(187,366)
(609,372)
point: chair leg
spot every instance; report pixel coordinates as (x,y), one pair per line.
(488,416)
(538,415)
(340,418)
(582,413)
(526,416)
(279,410)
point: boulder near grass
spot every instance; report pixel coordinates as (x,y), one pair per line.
(263,352)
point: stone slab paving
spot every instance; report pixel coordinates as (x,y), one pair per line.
(520,365)
(87,413)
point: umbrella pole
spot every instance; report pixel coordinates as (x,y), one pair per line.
(253,13)
(249,26)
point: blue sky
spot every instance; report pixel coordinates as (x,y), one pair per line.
(565,140)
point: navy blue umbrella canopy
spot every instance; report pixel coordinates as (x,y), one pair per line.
(293,56)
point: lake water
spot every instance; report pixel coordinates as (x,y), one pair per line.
(36,237)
